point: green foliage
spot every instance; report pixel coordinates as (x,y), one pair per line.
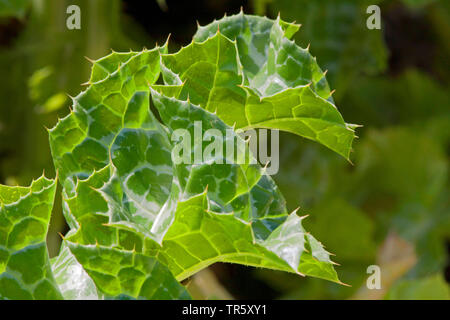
(400,181)
(13,8)
(411,98)
(417,3)
(394,188)
(141,222)
(398,186)
(415,188)
(343,45)
(44,53)
(285,88)
(25,271)
(121,274)
(432,287)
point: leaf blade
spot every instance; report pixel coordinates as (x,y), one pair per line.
(25,270)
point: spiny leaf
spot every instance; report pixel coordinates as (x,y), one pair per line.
(200,237)
(116,271)
(13,8)
(433,287)
(73,281)
(25,271)
(121,274)
(135,211)
(242,207)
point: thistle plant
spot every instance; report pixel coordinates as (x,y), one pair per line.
(141,223)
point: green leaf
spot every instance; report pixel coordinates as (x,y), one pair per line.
(433,287)
(135,212)
(13,8)
(344,218)
(116,271)
(270,61)
(339,38)
(200,237)
(121,274)
(80,142)
(73,281)
(25,271)
(407,177)
(249,225)
(233,184)
(252,76)
(416,4)
(300,111)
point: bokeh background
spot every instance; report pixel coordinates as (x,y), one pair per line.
(391,208)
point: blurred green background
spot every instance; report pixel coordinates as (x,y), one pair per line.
(391,208)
